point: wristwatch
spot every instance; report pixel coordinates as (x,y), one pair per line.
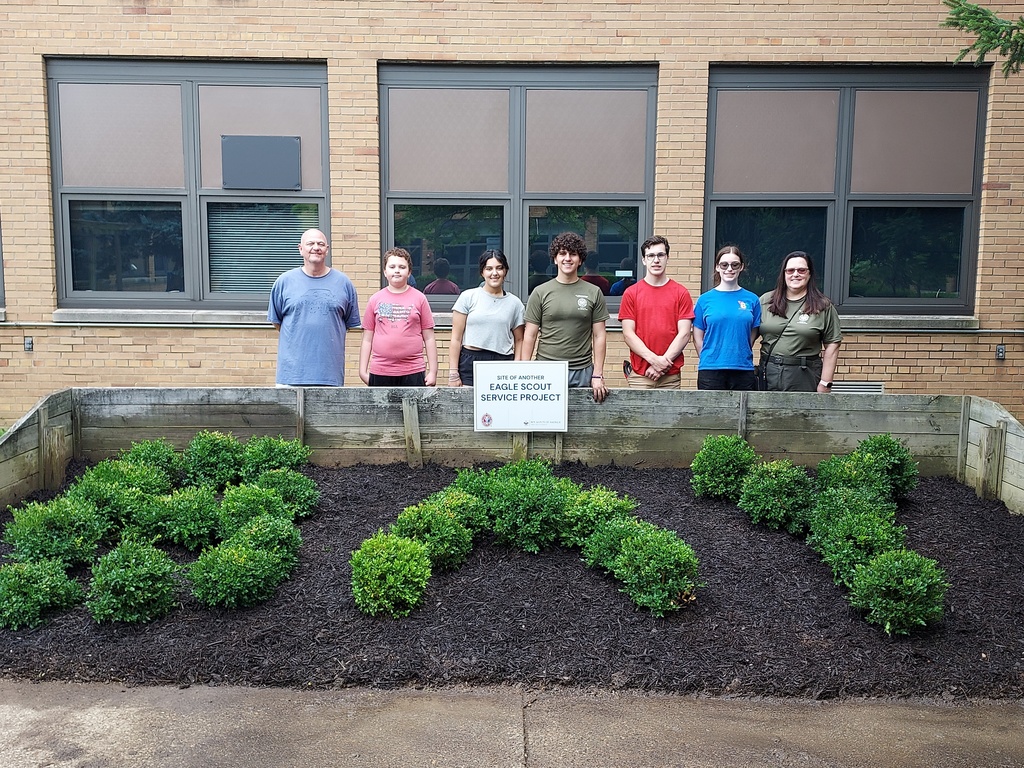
(825,384)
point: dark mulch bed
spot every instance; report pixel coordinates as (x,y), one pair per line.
(770,622)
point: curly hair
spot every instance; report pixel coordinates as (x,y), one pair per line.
(400,253)
(571,242)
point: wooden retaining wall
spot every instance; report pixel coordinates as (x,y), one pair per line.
(971,439)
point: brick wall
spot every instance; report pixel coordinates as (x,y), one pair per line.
(353,36)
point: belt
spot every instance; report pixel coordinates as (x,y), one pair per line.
(783,360)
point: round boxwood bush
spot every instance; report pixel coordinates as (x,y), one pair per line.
(853,538)
(241,503)
(264,453)
(468,509)
(854,470)
(587,510)
(213,458)
(389,574)
(299,492)
(525,502)
(156,453)
(603,546)
(447,540)
(134,582)
(658,570)
(897,462)
(900,590)
(67,529)
(272,534)
(236,576)
(29,591)
(777,494)
(187,517)
(720,466)
(120,489)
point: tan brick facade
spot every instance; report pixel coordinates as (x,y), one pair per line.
(353,37)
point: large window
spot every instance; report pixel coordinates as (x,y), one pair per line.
(177,183)
(508,157)
(874,172)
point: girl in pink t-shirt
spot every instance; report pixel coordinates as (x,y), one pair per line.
(397,327)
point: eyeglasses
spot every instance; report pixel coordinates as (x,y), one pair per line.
(655,256)
(796,270)
(733,266)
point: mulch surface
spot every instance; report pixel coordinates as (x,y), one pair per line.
(769,622)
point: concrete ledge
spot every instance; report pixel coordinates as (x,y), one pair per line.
(113,316)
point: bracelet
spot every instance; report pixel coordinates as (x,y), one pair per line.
(597,377)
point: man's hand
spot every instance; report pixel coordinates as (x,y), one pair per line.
(600,390)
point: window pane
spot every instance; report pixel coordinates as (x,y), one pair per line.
(776,141)
(448,139)
(586,141)
(252,243)
(914,142)
(126,245)
(228,110)
(121,136)
(610,232)
(455,233)
(767,234)
(906,252)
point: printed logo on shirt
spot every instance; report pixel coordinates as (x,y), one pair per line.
(743,305)
(319,301)
(582,302)
(803,318)
(396,313)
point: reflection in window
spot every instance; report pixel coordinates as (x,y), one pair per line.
(458,234)
(906,252)
(252,243)
(766,234)
(126,245)
(610,232)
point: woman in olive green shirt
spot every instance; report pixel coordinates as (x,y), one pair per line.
(800,333)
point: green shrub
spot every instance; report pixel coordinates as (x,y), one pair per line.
(900,590)
(833,503)
(720,466)
(475,482)
(778,493)
(272,534)
(526,502)
(265,453)
(134,582)
(897,461)
(66,529)
(299,492)
(213,458)
(241,503)
(447,540)
(187,516)
(604,545)
(854,470)
(658,570)
(589,508)
(853,538)
(468,509)
(28,591)
(120,489)
(237,576)
(157,453)
(389,574)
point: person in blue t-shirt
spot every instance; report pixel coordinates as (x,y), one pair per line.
(312,306)
(725,324)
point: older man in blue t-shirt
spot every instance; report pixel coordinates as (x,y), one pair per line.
(312,306)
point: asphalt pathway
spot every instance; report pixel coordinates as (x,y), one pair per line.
(60,725)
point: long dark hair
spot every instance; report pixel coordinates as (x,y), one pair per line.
(733,249)
(815,302)
(493,253)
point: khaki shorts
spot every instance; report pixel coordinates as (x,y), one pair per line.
(671,381)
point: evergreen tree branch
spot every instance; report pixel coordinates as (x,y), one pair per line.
(993,33)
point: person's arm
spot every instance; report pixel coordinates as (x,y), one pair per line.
(698,339)
(600,350)
(530,336)
(517,342)
(455,348)
(829,358)
(364,356)
(430,344)
(684,329)
(657,365)
(277,326)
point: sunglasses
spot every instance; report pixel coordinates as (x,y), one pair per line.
(796,270)
(735,266)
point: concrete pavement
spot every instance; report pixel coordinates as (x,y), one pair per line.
(67,725)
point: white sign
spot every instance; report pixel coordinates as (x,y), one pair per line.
(520,397)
